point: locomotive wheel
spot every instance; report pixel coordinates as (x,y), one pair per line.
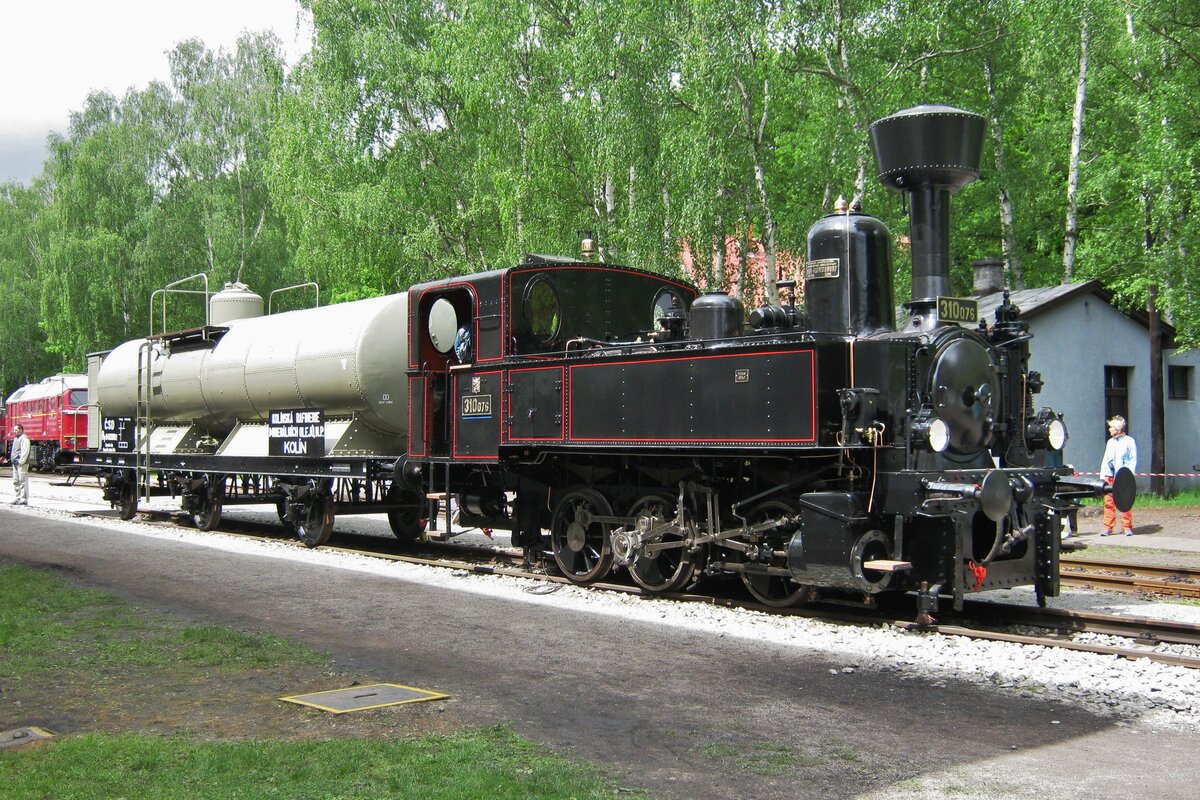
(777,591)
(581,544)
(666,570)
(406,523)
(209,516)
(316,523)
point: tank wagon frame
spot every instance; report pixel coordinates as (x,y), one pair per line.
(611,417)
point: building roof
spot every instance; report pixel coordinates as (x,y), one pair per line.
(1033,302)
(1037,301)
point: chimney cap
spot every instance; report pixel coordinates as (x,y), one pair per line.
(989,275)
(929,145)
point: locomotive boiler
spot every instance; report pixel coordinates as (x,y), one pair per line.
(612,418)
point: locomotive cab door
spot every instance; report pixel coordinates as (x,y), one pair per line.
(444,345)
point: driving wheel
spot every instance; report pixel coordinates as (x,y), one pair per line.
(580,542)
(767,585)
(662,561)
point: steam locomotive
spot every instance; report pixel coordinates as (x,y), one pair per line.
(614,418)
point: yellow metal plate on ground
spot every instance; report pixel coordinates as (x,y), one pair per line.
(360,698)
(23,736)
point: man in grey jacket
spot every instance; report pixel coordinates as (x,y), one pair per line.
(20,466)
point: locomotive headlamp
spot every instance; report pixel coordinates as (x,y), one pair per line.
(932,432)
(1057,435)
(1046,430)
(938,435)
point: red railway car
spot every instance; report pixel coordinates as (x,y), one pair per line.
(54,414)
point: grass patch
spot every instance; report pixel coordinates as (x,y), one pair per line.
(1182,499)
(53,627)
(492,763)
(766,759)
(1187,498)
(194,712)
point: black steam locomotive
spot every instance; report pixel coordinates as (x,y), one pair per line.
(647,426)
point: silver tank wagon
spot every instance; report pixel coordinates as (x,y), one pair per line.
(348,359)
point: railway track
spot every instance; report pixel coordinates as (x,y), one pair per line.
(1130,577)
(1162,641)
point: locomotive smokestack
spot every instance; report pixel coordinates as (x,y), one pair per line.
(929,153)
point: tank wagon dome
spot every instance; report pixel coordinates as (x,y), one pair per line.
(346,359)
(235,301)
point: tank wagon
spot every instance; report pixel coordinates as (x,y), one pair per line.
(613,418)
(54,415)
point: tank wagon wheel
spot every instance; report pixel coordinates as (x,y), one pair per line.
(406,523)
(777,591)
(209,515)
(316,519)
(581,544)
(127,502)
(667,570)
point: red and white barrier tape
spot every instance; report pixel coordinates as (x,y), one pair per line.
(1155,474)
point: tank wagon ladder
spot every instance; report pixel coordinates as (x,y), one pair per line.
(142,420)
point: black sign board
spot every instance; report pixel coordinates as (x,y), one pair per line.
(117,434)
(297,432)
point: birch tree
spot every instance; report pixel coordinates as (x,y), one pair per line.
(1072,226)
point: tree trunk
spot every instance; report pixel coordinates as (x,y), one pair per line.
(609,250)
(1073,170)
(1158,438)
(756,134)
(716,264)
(668,233)
(848,96)
(1008,236)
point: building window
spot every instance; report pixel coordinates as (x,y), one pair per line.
(1179,383)
(1116,393)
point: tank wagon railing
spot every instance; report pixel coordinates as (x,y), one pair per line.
(170,289)
(271,296)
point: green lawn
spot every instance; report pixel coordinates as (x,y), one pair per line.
(491,763)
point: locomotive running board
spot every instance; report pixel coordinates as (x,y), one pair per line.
(887,566)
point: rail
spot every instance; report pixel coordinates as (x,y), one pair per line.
(1124,576)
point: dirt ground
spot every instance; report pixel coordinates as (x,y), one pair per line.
(1162,536)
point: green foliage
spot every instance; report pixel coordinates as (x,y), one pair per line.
(420,140)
